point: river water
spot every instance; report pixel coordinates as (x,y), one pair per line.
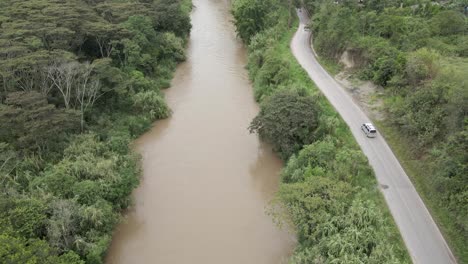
(206,181)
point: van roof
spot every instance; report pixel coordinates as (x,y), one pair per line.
(370,126)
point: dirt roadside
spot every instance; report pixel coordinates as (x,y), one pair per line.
(365,93)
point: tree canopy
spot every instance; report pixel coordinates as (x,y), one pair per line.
(287,120)
(417,51)
(79,80)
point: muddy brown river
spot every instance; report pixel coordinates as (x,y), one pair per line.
(206,181)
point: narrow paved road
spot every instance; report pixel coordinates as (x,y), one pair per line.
(420,234)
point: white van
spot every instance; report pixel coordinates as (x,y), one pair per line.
(369,130)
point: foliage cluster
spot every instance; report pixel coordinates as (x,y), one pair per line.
(328,192)
(251,17)
(416,50)
(288,119)
(79,80)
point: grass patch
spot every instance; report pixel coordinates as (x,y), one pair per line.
(331,66)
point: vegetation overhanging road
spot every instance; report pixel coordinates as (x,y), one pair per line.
(421,235)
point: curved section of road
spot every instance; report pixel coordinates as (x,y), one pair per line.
(421,235)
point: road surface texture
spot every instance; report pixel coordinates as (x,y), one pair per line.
(423,239)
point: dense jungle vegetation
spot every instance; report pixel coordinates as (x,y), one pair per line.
(328,191)
(418,51)
(79,80)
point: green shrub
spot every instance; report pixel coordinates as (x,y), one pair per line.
(56,181)
(385,68)
(287,120)
(313,159)
(136,125)
(252,17)
(32,251)
(172,46)
(151,104)
(422,64)
(98,251)
(334,28)
(424,114)
(448,22)
(312,202)
(273,73)
(118,141)
(139,83)
(26,216)
(87,191)
(99,216)
(449,180)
